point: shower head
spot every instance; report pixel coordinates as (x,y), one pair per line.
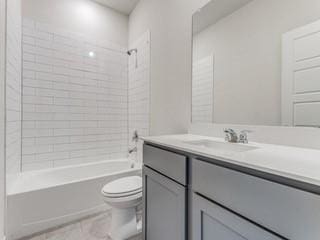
(131,51)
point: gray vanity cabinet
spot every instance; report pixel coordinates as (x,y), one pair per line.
(212,222)
(219,203)
(164,207)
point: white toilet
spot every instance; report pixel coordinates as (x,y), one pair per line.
(123,195)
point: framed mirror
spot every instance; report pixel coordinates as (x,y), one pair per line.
(257,62)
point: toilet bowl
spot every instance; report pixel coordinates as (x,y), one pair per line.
(123,195)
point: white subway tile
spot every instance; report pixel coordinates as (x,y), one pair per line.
(52,156)
(34,166)
(36,149)
(38,100)
(29,40)
(67,132)
(28,74)
(51,124)
(37,132)
(28,23)
(51,140)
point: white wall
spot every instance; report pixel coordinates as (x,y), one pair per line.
(247,50)
(169,22)
(80,16)
(2,115)
(13,87)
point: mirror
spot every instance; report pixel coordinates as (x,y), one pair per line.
(257,62)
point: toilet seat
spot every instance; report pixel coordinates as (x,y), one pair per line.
(124,187)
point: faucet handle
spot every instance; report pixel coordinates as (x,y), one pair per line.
(135,136)
(243,137)
(231,135)
(229,131)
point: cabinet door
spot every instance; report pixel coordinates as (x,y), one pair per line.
(164,207)
(212,222)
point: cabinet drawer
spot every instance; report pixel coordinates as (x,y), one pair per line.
(168,163)
(290,212)
(210,221)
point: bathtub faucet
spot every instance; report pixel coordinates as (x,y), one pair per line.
(132,150)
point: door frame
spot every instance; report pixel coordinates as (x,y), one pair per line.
(3,48)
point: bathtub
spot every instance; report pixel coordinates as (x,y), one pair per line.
(40,200)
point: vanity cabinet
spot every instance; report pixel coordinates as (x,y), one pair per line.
(212,222)
(187,196)
(164,196)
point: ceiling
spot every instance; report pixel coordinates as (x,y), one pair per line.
(214,11)
(123,6)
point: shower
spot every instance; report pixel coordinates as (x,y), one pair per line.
(134,51)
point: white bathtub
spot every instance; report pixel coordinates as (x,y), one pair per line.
(40,200)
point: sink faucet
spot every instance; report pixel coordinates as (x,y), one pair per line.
(231,135)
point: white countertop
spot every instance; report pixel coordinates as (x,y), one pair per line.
(300,164)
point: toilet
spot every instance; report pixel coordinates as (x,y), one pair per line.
(123,195)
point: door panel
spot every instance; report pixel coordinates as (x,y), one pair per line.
(164,207)
(212,222)
(307,114)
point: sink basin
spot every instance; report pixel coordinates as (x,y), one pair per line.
(221,146)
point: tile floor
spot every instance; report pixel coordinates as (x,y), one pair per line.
(92,228)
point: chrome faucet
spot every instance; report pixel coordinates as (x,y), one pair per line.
(243,137)
(231,135)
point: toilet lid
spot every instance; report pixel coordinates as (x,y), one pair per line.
(127,185)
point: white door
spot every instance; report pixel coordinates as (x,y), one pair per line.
(301,76)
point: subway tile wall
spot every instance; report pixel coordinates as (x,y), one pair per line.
(139,90)
(75,98)
(202,90)
(13,87)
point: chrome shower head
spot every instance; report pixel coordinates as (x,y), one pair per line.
(131,51)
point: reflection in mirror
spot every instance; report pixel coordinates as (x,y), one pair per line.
(202,90)
(256,62)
